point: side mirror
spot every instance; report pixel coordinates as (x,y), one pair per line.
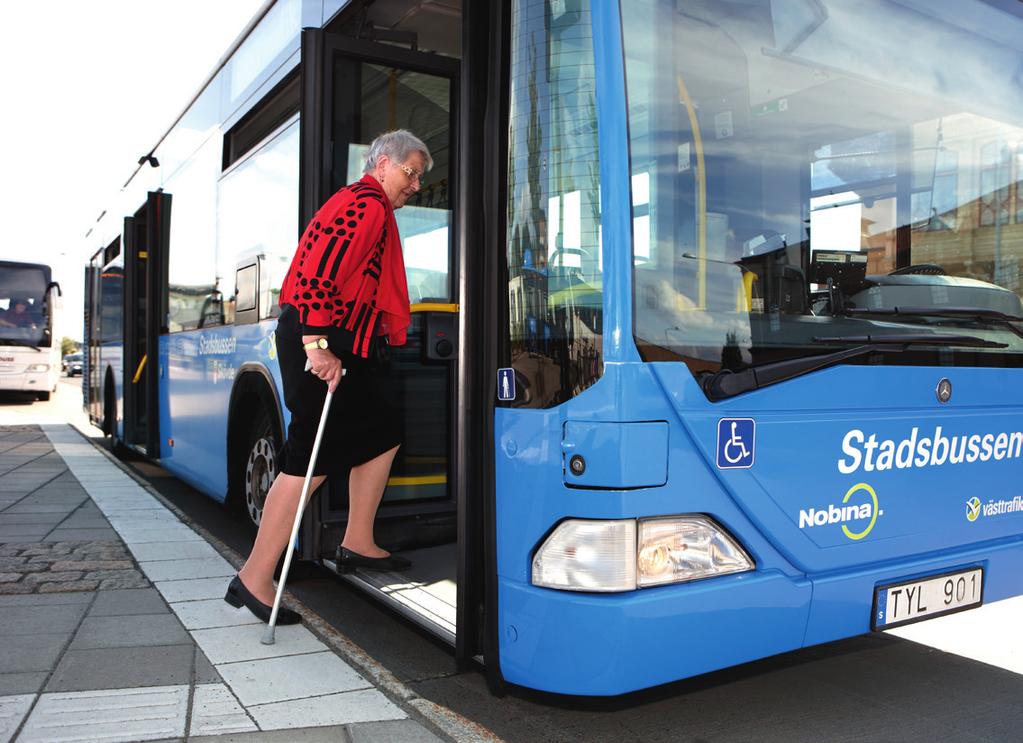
(55,285)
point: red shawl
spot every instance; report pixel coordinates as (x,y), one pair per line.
(348,271)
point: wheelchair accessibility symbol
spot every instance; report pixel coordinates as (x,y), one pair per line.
(736,443)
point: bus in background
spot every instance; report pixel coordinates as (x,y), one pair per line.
(717,329)
(29,355)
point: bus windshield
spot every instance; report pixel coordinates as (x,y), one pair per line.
(811,174)
(24,312)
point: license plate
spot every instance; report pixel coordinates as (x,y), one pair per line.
(911,601)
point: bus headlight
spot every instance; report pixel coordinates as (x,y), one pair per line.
(678,549)
(625,554)
(588,556)
(38,367)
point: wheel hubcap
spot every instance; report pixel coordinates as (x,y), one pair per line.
(260,471)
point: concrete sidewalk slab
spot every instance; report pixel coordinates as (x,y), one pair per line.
(171,534)
(192,590)
(354,706)
(188,568)
(235,644)
(32,652)
(34,620)
(215,711)
(211,613)
(155,551)
(292,677)
(130,631)
(127,602)
(128,667)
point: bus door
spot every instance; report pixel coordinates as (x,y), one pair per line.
(91,370)
(355,88)
(145,242)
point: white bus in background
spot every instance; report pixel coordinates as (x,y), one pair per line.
(29,355)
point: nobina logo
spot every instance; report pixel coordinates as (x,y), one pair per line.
(846,513)
(973,508)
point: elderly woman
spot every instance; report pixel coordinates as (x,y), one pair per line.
(344,290)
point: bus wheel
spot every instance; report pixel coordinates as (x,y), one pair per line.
(260,468)
(110,422)
(109,412)
(44,396)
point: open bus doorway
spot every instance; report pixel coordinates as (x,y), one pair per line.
(378,67)
(145,247)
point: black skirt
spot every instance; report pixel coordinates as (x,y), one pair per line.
(362,423)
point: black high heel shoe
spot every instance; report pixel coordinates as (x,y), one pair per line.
(347,561)
(238,596)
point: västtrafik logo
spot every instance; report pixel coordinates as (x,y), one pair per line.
(975,509)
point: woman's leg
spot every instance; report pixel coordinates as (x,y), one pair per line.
(274,531)
(365,489)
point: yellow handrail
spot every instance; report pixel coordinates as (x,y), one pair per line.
(421,480)
(701,194)
(746,292)
(138,372)
(434,307)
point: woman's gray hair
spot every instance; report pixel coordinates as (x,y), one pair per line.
(398,146)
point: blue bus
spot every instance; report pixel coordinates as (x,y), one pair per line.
(717,320)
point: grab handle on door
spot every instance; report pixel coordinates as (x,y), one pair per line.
(138,372)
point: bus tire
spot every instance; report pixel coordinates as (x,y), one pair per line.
(255,436)
(117,448)
(261,466)
(109,411)
(44,396)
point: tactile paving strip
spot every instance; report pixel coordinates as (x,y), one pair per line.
(109,715)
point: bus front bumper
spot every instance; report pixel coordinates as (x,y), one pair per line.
(25,382)
(606,644)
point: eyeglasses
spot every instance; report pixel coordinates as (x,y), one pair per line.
(413,175)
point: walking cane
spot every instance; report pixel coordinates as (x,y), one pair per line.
(268,635)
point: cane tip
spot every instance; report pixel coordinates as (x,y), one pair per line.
(268,636)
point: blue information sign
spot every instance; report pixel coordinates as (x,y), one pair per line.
(505,384)
(736,443)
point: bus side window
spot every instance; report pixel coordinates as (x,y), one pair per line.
(246,309)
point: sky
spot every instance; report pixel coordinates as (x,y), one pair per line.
(88,88)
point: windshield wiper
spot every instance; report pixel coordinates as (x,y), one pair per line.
(913,339)
(964,313)
(18,342)
(727,383)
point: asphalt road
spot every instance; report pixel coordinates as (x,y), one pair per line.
(878,687)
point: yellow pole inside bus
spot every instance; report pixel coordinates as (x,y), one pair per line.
(701,195)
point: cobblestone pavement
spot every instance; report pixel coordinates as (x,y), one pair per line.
(113,627)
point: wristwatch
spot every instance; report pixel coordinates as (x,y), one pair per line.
(318,343)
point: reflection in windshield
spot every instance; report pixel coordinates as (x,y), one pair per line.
(555,300)
(24,315)
(793,162)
